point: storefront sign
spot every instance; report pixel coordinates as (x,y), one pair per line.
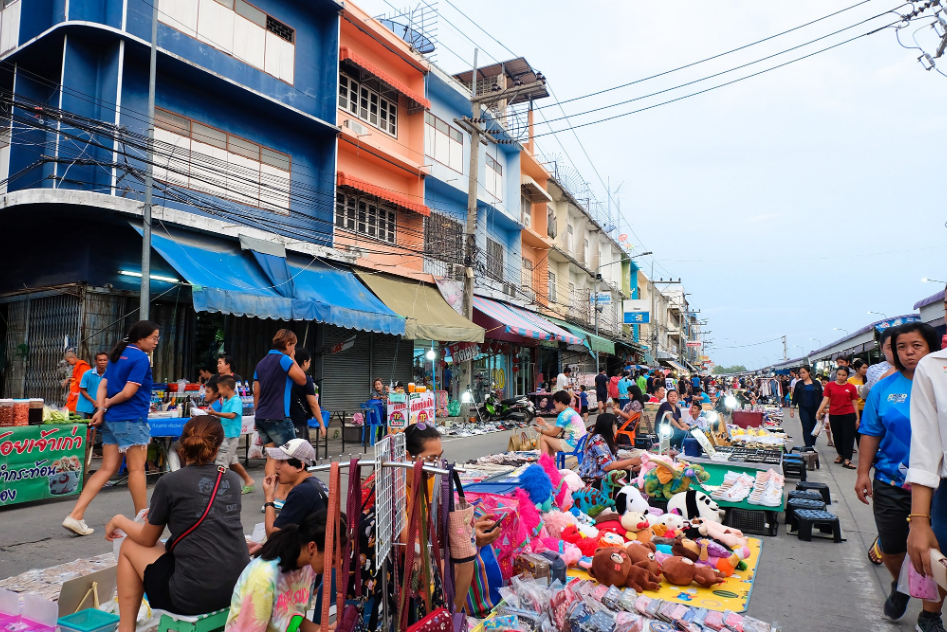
(894,322)
(422,408)
(464,351)
(604,298)
(637,318)
(694,343)
(40,462)
(704,358)
(397,411)
(345,345)
(452,291)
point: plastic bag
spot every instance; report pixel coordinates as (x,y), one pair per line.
(256,446)
(910,582)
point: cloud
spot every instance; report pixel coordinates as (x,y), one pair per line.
(756,219)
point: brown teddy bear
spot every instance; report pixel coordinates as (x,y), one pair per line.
(643,553)
(612,566)
(680,571)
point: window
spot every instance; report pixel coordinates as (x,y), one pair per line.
(237,28)
(365,217)
(552,287)
(526,274)
(444,238)
(552,229)
(443,143)
(206,159)
(369,106)
(586,254)
(493,179)
(572,301)
(570,239)
(494,260)
(526,211)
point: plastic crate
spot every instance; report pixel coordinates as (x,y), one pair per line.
(89,620)
(758,522)
(496,487)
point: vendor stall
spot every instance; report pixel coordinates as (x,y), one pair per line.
(39,462)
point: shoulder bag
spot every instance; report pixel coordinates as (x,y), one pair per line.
(333,551)
(352,617)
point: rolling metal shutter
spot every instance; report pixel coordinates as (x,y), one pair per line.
(384,363)
(345,378)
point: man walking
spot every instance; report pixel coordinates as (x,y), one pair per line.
(601,389)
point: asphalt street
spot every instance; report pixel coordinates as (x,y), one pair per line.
(816,585)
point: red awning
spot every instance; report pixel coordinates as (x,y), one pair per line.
(399,199)
(364,64)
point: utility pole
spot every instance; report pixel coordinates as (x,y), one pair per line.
(476,132)
(143,311)
(785,351)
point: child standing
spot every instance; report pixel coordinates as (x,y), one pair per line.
(229,409)
(584,403)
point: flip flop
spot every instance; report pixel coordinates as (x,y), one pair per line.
(838,460)
(849,466)
(248,489)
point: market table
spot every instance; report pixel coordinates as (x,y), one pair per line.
(758,518)
(166,430)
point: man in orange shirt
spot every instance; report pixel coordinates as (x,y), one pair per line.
(78,368)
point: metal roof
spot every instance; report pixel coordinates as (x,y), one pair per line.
(934,298)
(516,70)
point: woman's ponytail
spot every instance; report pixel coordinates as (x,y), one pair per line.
(139,331)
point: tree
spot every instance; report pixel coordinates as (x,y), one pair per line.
(736,368)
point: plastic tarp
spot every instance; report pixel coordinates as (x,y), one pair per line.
(277,271)
(591,341)
(223,278)
(427,314)
(328,294)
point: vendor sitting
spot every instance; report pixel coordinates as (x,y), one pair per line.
(669,412)
(201,539)
(694,416)
(659,396)
(569,428)
(276,587)
(600,452)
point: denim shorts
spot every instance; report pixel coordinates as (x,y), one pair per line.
(276,431)
(126,434)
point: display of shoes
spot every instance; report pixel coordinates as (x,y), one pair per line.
(768,489)
(736,486)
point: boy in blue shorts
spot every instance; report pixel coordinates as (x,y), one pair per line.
(229,409)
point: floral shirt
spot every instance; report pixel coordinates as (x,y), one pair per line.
(597,458)
(266,599)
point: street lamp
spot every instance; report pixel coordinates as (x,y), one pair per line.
(882,314)
(817,340)
(839,329)
(432,356)
(926,280)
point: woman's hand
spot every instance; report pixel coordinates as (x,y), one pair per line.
(921,540)
(792,413)
(111,529)
(98,417)
(323,431)
(253,547)
(485,532)
(863,487)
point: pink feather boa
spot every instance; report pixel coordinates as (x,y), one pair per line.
(559,488)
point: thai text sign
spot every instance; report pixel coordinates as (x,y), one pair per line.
(397,411)
(464,351)
(40,462)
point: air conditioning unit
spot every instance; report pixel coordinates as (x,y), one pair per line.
(355,126)
(509,289)
(526,220)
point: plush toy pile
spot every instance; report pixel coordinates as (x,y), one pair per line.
(614,533)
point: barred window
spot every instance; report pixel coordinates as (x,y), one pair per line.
(365,217)
(444,238)
(494,260)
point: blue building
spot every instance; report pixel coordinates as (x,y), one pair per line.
(244,167)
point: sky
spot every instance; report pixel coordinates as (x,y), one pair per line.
(791,203)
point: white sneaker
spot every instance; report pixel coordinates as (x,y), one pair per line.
(79,527)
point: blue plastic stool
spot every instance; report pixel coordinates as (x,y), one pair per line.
(578,453)
(374,419)
(326,418)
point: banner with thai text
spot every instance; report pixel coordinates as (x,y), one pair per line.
(40,462)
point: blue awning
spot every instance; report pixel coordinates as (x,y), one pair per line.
(333,295)
(223,278)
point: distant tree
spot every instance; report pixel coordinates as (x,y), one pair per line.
(736,368)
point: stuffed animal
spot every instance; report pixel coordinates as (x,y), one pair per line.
(685,547)
(591,501)
(556,521)
(680,571)
(643,553)
(536,482)
(637,527)
(732,538)
(569,553)
(562,497)
(669,525)
(628,499)
(573,481)
(613,567)
(581,517)
(586,546)
(665,480)
(720,557)
(608,539)
(694,504)
(528,514)
(614,481)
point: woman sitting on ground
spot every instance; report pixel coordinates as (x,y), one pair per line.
(601,450)
(180,582)
(276,586)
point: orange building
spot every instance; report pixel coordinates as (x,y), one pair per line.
(380,206)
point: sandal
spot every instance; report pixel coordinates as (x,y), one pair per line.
(849,466)
(248,489)
(838,460)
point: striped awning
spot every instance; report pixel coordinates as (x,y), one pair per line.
(520,322)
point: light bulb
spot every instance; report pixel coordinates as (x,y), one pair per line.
(430,355)
(466,397)
(712,416)
(731,401)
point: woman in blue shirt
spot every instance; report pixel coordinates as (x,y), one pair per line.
(123,400)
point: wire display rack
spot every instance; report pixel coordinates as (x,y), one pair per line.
(390,493)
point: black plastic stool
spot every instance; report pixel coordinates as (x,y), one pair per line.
(795,468)
(822,488)
(825,521)
(806,495)
(798,504)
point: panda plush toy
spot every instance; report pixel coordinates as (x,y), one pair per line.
(694,504)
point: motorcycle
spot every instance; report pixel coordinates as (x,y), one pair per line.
(517,409)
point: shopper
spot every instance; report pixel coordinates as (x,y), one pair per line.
(123,400)
(379,390)
(277,586)
(885,445)
(79,367)
(669,412)
(305,493)
(613,385)
(858,369)
(200,506)
(564,380)
(569,429)
(806,396)
(883,369)
(601,389)
(838,398)
(228,408)
(600,452)
(583,404)
(642,380)
(623,385)
(839,363)
(272,387)
(658,397)
(89,386)
(304,402)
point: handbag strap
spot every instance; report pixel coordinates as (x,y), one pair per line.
(210,504)
(354,514)
(413,520)
(332,527)
(447,506)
